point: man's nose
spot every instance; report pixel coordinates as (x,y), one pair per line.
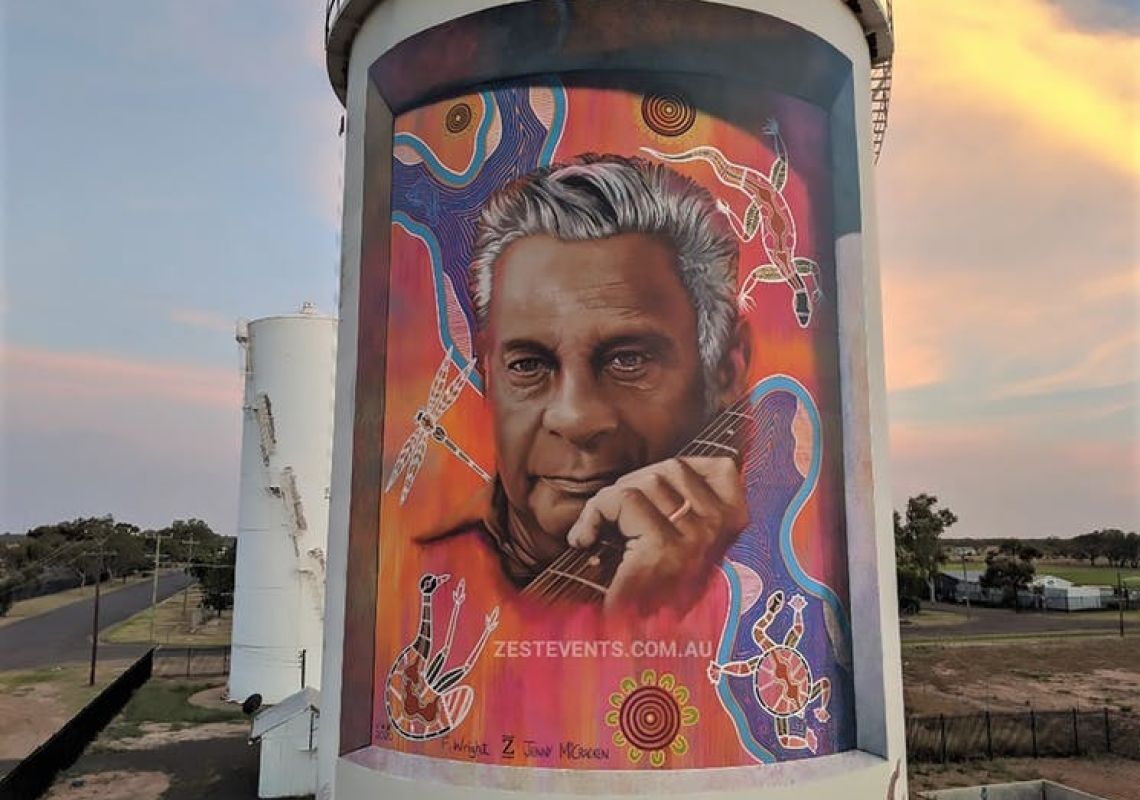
(578,410)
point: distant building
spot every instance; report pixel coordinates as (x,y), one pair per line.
(958,587)
(1042,582)
(1073,598)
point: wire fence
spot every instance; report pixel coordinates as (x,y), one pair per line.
(190,662)
(1028,734)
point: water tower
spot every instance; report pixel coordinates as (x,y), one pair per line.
(710,165)
(283,504)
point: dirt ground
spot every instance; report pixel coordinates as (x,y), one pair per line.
(35,704)
(1111,778)
(959,678)
(117,785)
(31,714)
(1059,674)
(160,734)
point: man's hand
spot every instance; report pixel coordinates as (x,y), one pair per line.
(678,517)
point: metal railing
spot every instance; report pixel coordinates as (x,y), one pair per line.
(881,70)
(1023,734)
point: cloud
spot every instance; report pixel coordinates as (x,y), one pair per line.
(1104,364)
(1009,239)
(87,433)
(202,319)
(1023,57)
(1004,482)
(50,387)
(1010,254)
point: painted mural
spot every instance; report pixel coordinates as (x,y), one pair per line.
(611,529)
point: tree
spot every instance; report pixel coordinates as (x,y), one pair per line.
(918,545)
(7,588)
(190,540)
(216,577)
(1088,545)
(1010,569)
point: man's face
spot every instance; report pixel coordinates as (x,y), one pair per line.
(591,357)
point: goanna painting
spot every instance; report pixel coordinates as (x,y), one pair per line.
(611,528)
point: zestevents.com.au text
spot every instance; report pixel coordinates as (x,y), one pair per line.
(603,648)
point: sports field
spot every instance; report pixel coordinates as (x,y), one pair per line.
(1080,574)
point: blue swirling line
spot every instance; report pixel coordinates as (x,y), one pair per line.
(427,236)
(557,124)
(478,156)
(802,579)
(459,179)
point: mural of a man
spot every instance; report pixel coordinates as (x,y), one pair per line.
(608,337)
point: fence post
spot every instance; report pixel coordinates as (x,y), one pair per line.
(942,729)
(226,661)
(1107,733)
(189,650)
(989,738)
(1033,730)
(1076,735)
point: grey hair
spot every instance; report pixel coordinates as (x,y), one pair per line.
(595,197)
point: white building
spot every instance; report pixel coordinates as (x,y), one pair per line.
(1073,598)
(288,736)
(279,583)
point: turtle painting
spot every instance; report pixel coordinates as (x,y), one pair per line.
(782,676)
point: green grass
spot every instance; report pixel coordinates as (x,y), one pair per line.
(161,700)
(171,624)
(1086,575)
(1080,574)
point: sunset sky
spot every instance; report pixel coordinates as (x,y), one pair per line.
(169,167)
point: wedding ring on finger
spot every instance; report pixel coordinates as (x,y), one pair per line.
(684,509)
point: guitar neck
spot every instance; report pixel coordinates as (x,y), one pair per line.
(584,575)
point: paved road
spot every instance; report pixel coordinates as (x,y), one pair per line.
(64,635)
(990,621)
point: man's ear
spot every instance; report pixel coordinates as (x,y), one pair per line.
(732,372)
(482,340)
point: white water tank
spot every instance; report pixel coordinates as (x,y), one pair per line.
(283,507)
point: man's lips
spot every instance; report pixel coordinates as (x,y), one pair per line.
(584,486)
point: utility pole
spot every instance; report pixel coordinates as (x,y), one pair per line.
(303,652)
(965,588)
(154,586)
(95,616)
(1120,602)
(186,592)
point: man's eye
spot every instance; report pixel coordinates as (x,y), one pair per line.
(628,362)
(527,367)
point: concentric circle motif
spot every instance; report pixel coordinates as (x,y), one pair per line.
(668,114)
(458,118)
(783,682)
(650,718)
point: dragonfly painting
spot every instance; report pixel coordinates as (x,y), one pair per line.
(441,397)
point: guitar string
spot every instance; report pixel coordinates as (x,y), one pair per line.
(549,585)
(570,562)
(559,578)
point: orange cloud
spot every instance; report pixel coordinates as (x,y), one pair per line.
(914,353)
(38,379)
(1023,58)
